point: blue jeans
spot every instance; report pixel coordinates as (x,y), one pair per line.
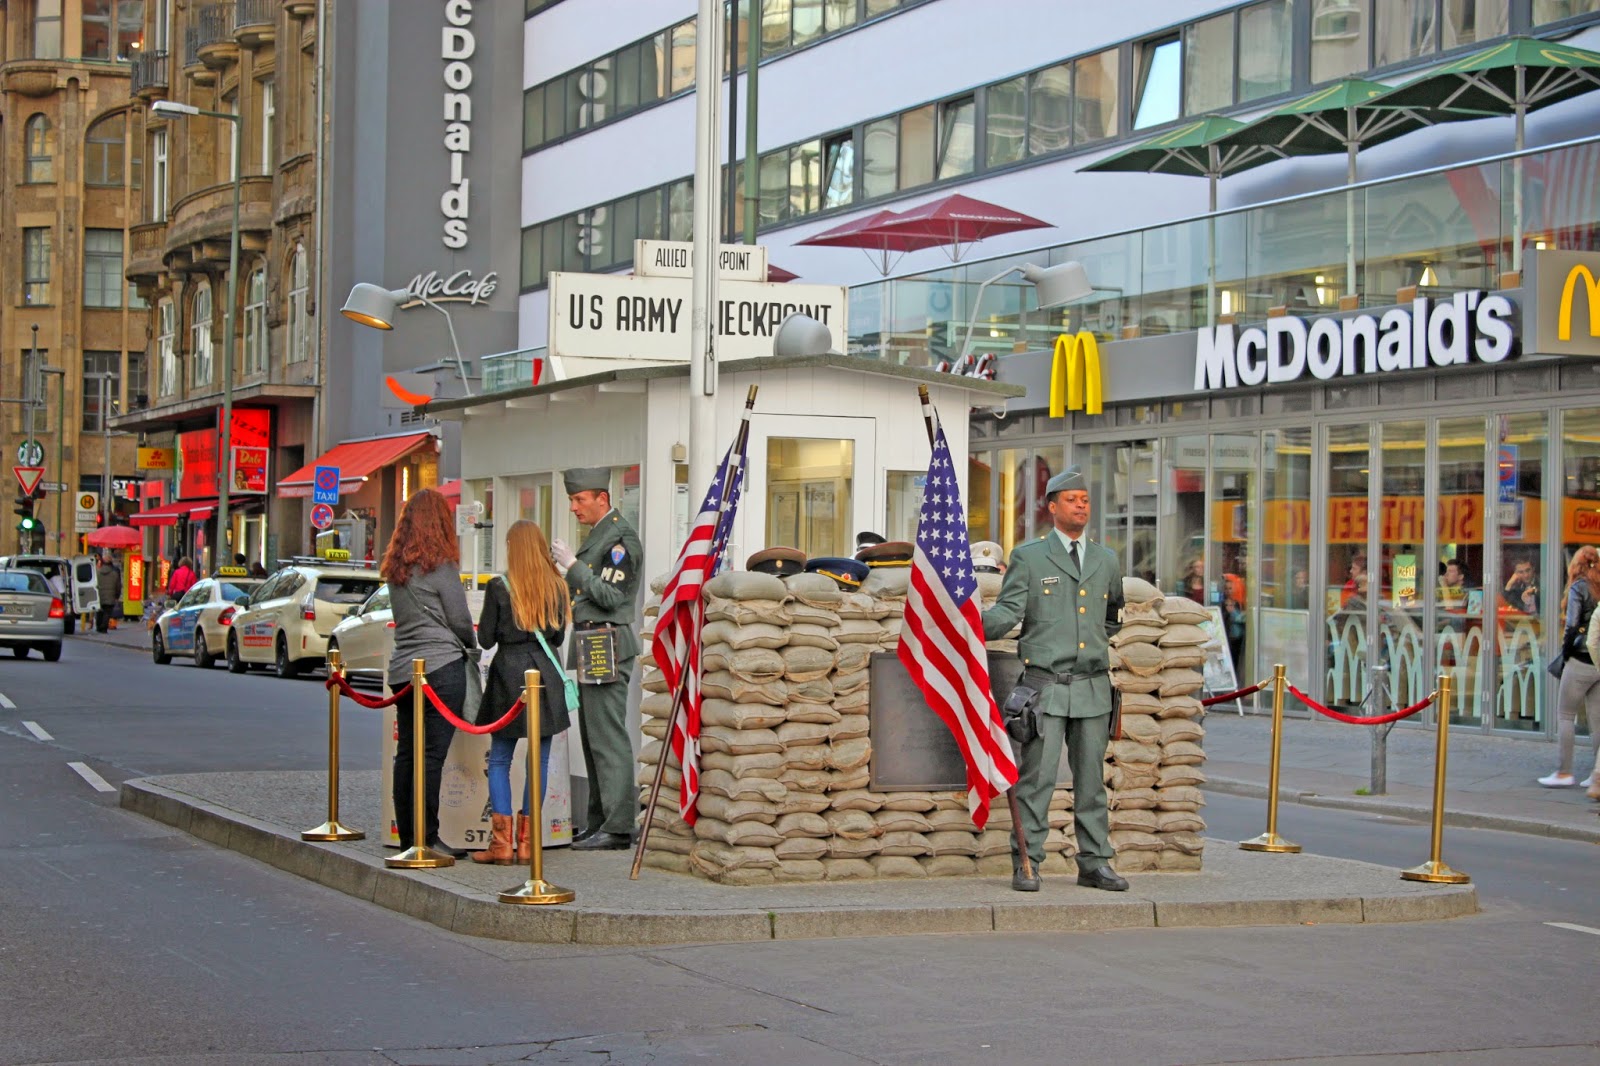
(501,748)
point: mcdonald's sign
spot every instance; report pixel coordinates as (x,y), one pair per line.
(1569,288)
(1565,286)
(1075,381)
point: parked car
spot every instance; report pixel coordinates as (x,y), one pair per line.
(201,621)
(74,580)
(366,637)
(30,614)
(292,613)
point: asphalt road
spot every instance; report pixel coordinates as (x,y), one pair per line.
(126,942)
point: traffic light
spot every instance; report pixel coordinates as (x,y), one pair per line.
(24,509)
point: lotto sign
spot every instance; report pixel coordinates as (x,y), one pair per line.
(325,486)
(322,516)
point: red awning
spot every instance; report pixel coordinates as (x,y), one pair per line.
(169,513)
(356,461)
(451,490)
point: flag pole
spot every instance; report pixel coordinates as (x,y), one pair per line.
(740,441)
(928,419)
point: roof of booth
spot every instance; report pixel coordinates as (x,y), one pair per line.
(919,375)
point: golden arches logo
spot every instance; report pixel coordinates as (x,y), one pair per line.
(1591,287)
(1075,382)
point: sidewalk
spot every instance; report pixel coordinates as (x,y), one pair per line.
(1490,782)
(129,634)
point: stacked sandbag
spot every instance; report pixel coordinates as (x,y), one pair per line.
(1154,771)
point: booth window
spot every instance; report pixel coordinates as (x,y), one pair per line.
(903,494)
(809,494)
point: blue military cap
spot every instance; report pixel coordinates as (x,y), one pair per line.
(1070,478)
(847,572)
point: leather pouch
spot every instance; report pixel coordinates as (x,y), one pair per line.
(1020,715)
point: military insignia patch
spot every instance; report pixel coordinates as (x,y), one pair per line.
(618,553)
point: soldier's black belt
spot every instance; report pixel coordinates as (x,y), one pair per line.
(1048,678)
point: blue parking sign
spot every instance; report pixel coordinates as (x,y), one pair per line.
(325,486)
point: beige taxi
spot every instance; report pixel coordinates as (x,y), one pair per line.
(291,615)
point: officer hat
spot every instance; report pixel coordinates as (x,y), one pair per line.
(889,553)
(1070,478)
(780,561)
(987,557)
(866,539)
(847,572)
(587,479)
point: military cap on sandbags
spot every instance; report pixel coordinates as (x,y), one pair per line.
(587,479)
(849,573)
(1070,478)
(780,561)
(988,557)
(889,553)
(866,539)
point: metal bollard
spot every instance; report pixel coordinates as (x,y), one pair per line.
(535,889)
(1270,840)
(1435,870)
(331,829)
(418,856)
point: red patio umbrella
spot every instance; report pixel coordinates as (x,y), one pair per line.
(864,233)
(952,220)
(114,537)
(779,275)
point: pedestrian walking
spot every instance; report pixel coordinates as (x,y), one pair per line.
(524,616)
(431,622)
(182,579)
(1579,690)
(108,582)
(1066,590)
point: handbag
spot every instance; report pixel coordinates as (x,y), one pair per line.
(472,705)
(568,686)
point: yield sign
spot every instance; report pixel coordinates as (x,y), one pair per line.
(28,477)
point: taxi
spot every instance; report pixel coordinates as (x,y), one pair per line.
(199,625)
(292,613)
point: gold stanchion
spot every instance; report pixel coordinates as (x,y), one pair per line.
(535,889)
(1434,869)
(418,856)
(1270,840)
(331,829)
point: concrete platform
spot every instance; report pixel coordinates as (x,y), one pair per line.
(261,814)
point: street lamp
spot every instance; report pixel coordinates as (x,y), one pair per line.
(1064,283)
(375,306)
(61,445)
(173,110)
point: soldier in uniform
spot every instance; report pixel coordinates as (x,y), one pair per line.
(603,575)
(1066,590)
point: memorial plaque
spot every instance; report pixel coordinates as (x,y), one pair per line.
(594,656)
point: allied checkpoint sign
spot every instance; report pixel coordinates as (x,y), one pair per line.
(601,322)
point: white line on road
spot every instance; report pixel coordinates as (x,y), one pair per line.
(37,731)
(1575,928)
(96,782)
(6,703)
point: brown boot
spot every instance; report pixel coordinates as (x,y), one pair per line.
(499,850)
(524,853)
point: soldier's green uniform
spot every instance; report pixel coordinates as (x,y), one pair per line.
(605,585)
(1068,613)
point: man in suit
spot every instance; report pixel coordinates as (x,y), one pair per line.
(1066,590)
(603,576)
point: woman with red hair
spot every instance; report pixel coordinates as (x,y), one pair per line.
(431,622)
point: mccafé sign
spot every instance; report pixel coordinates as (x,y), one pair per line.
(1470,327)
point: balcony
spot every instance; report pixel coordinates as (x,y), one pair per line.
(30,77)
(147,245)
(200,225)
(197,71)
(299,9)
(149,79)
(217,48)
(255,22)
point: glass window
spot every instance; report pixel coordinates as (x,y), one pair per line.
(1208,65)
(809,485)
(1155,96)
(839,14)
(1469,21)
(96,29)
(624,228)
(1528,584)
(807,21)
(36,265)
(839,170)
(102,268)
(1338,38)
(138,386)
(1049,118)
(916,146)
(957,139)
(299,335)
(41,141)
(774,186)
(682,57)
(47,29)
(110,365)
(880,149)
(680,209)
(626,83)
(650,222)
(805,179)
(1342,598)
(1556,10)
(158,175)
(1459,605)
(775,26)
(255,323)
(1005,126)
(103,151)
(200,340)
(1405,29)
(593,91)
(1283,611)
(653,69)
(269,112)
(903,490)
(166,349)
(533,118)
(1266,68)
(1094,101)
(130,28)
(532,257)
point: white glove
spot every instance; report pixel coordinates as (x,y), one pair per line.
(562,553)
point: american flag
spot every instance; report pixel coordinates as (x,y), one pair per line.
(941,642)
(676,644)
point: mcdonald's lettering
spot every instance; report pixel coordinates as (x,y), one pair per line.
(1591,287)
(1075,382)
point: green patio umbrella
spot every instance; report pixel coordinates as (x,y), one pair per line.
(1518,75)
(1195,149)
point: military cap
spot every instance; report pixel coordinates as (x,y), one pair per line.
(889,553)
(780,561)
(1070,478)
(587,479)
(988,557)
(866,539)
(847,572)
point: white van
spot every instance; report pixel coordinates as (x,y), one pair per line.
(71,579)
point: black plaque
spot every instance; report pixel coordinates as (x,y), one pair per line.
(594,656)
(912,749)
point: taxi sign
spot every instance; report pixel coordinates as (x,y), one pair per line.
(340,555)
(233,571)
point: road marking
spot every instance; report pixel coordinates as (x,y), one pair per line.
(6,703)
(38,733)
(1575,928)
(96,782)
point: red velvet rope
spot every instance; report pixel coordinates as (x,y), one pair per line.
(1227,697)
(1353,719)
(466,726)
(374,702)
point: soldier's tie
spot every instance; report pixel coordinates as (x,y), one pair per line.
(1072,550)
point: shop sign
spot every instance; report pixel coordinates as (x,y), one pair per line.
(1403,581)
(197,450)
(155,459)
(674,259)
(134,572)
(457,288)
(458,44)
(1469,327)
(249,471)
(1400,520)
(1566,293)
(1075,382)
(88,512)
(125,488)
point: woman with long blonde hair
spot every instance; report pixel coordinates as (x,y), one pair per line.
(1580,680)
(530,600)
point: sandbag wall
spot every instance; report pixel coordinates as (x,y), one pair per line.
(785,752)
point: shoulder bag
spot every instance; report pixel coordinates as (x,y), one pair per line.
(473,703)
(568,685)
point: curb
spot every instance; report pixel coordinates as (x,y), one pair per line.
(477,914)
(106,642)
(1459,819)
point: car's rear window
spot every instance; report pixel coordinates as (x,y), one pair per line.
(21,581)
(233,591)
(345,589)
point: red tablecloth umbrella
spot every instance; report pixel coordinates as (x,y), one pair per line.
(864,233)
(115,537)
(951,221)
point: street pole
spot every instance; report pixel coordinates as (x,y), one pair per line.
(225,480)
(707,189)
(105,437)
(61,454)
(30,392)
